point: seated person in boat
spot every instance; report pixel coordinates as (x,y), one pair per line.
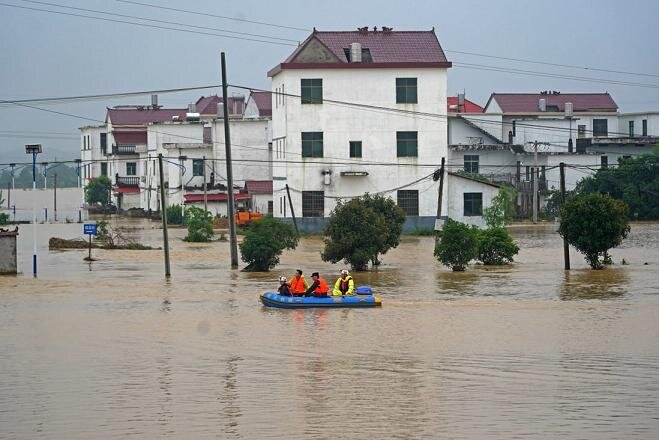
(318,288)
(284,289)
(298,284)
(345,285)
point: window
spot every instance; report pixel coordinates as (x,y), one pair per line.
(631,128)
(604,161)
(408,200)
(197,167)
(581,131)
(104,142)
(312,144)
(104,168)
(355,148)
(527,173)
(207,137)
(473,204)
(471,163)
(406,91)
(406,143)
(644,127)
(131,168)
(313,203)
(312,91)
(270,207)
(600,127)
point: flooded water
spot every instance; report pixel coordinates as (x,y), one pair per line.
(112,350)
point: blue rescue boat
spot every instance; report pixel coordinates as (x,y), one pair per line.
(272,299)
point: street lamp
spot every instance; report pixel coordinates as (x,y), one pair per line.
(45,170)
(12,165)
(34,149)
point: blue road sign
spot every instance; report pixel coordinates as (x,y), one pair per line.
(89,228)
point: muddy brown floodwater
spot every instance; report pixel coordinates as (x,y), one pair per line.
(112,350)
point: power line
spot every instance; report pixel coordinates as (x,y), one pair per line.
(158,21)
(91,17)
(207,14)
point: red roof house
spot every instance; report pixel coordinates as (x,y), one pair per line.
(469,106)
(554,102)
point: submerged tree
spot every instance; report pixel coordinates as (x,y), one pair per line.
(502,208)
(593,224)
(200,225)
(98,191)
(394,218)
(457,245)
(264,242)
(496,247)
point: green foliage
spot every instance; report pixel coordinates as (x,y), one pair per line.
(421,232)
(4,218)
(496,246)
(264,242)
(98,191)
(593,224)
(174,215)
(500,212)
(474,176)
(457,246)
(635,181)
(361,229)
(2,199)
(200,225)
(102,230)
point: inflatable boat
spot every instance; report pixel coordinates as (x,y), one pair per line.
(272,299)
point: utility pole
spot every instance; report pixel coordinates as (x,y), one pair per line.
(233,241)
(290,202)
(82,204)
(55,196)
(566,246)
(535,180)
(205,191)
(8,195)
(12,165)
(163,214)
(440,192)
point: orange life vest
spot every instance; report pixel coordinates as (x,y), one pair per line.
(322,286)
(297,285)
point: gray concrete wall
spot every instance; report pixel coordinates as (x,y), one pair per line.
(8,251)
(69,201)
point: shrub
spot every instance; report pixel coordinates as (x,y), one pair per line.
(4,218)
(174,215)
(496,247)
(457,246)
(200,225)
(500,212)
(394,217)
(593,224)
(264,241)
(98,191)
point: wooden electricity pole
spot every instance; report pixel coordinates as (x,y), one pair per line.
(163,214)
(566,246)
(233,241)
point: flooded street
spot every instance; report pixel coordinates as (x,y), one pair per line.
(111,349)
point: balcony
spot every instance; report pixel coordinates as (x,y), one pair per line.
(127,181)
(124,149)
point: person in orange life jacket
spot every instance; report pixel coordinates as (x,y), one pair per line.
(344,285)
(284,289)
(318,288)
(298,284)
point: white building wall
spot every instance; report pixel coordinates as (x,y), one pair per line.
(457,186)
(341,124)
(90,152)
(652,119)
(556,130)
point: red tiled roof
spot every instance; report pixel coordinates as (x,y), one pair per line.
(142,116)
(258,186)
(387,49)
(129,137)
(207,105)
(469,106)
(263,101)
(126,189)
(213,197)
(528,102)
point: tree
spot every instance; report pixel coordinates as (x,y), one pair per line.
(500,212)
(200,225)
(496,246)
(264,242)
(98,191)
(355,233)
(174,214)
(457,245)
(394,217)
(593,224)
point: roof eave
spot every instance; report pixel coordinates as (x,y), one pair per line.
(403,64)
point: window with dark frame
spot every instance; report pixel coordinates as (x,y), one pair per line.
(312,144)
(207,136)
(600,127)
(406,91)
(197,167)
(104,168)
(604,161)
(471,163)
(644,127)
(355,148)
(313,203)
(473,204)
(527,173)
(581,131)
(407,143)
(131,168)
(311,91)
(408,200)
(631,128)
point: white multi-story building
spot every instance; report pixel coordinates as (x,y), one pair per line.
(325,148)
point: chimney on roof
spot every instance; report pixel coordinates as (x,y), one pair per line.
(192,108)
(355,52)
(461,102)
(568,110)
(154,101)
(542,104)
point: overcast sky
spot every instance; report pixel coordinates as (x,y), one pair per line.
(47,55)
